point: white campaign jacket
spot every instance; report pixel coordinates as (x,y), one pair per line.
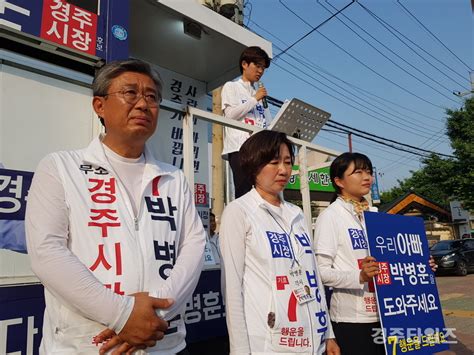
(257,283)
(340,235)
(160,251)
(239,103)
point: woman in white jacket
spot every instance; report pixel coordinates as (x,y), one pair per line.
(343,256)
(275,301)
(344,260)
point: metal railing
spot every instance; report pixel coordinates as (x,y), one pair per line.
(303,147)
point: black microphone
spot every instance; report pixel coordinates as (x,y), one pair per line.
(264,99)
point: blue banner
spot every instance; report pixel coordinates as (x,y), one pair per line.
(22,308)
(205,312)
(98,28)
(23,15)
(374,188)
(21,319)
(407,296)
(14,186)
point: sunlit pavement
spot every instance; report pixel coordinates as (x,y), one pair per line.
(457,299)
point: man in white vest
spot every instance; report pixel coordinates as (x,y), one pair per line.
(113,233)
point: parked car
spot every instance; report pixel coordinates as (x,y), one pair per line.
(454,256)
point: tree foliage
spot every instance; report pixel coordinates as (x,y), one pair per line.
(445,179)
(460,128)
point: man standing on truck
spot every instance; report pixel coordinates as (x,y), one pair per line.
(113,233)
(244,100)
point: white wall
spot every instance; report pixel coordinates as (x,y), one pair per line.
(39,114)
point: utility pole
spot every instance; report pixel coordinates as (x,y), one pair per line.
(349,138)
(471,77)
(217,162)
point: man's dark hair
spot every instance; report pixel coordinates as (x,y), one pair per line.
(260,149)
(254,55)
(342,162)
(105,75)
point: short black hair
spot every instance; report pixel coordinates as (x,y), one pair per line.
(255,55)
(261,148)
(342,162)
(107,73)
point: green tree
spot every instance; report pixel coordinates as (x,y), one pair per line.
(460,128)
(440,179)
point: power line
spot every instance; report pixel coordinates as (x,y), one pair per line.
(360,98)
(369,136)
(346,103)
(312,30)
(357,88)
(381,142)
(390,140)
(432,34)
(369,144)
(391,146)
(391,51)
(391,29)
(404,158)
(246,4)
(335,132)
(365,65)
(408,123)
(359,150)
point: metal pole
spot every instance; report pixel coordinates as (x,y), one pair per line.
(188,155)
(217,162)
(304,187)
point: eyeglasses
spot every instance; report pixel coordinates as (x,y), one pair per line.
(132,96)
(259,66)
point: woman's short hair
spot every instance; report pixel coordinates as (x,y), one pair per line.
(261,148)
(342,162)
(255,55)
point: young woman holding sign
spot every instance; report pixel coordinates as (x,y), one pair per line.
(343,257)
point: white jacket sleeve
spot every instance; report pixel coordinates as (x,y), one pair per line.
(190,258)
(233,231)
(337,278)
(326,242)
(60,271)
(232,105)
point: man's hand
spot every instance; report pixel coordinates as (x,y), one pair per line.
(142,330)
(144,327)
(113,341)
(261,93)
(332,348)
(432,263)
(369,269)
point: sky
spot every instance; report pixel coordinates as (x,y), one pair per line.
(401,94)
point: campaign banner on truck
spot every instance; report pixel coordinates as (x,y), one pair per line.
(95,27)
(167,142)
(14,186)
(407,296)
(22,308)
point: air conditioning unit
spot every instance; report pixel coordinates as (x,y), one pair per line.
(231,9)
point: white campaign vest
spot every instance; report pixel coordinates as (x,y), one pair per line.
(348,305)
(125,253)
(265,282)
(241,92)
